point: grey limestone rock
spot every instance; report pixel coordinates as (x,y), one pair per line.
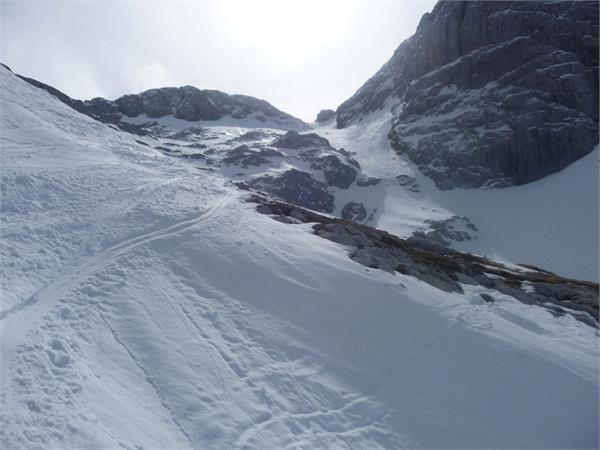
(294,140)
(369,181)
(444,232)
(445,268)
(354,212)
(186,103)
(336,172)
(491,93)
(245,156)
(408,182)
(299,188)
(338,168)
(325,115)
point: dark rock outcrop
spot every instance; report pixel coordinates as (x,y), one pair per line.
(369,181)
(325,115)
(299,188)
(187,103)
(295,140)
(444,232)
(491,93)
(336,172)
(191,104)
(244,156)
(354,212)
(338,168)
(408,182)
(444,268)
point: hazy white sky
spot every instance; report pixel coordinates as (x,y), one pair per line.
(301,56)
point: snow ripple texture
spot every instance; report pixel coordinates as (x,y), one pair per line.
(144,305)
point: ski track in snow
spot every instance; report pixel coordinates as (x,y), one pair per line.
(95,263)
(166,313)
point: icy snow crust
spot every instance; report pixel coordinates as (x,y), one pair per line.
(144,304)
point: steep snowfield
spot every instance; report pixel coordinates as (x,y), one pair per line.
(145,305)
(551,223)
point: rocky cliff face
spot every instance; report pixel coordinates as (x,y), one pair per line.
(187,103)
(313,169)
(324,115)
(491,93)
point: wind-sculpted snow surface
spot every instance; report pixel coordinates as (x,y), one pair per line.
(145,305)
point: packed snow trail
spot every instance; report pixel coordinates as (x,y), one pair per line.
(145,304)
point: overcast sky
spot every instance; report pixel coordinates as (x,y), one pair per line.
(301,56)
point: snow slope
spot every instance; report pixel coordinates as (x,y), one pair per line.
(248,122)
(145,305)
(551,223)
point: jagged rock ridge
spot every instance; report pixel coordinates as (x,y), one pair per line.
(188,103)
(495,93)
(323,168)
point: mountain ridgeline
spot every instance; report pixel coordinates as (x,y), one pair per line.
(185,269)
(187,103)
(484,94)
(490,93)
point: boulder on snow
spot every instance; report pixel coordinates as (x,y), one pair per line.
(297,187)
(444,232)
(369,181)
(295,140)
(354,212)
(408,182)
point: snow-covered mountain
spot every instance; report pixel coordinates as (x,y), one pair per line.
(551,223)
(528,70)
(187,103)
(490,93)
(146,303)
(188,269)
(355,174)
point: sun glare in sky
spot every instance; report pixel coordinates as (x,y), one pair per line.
(286,28)
(301,56)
